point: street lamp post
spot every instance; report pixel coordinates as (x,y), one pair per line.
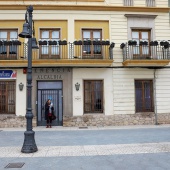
(29,145)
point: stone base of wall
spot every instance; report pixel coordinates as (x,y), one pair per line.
(10,121)
(163,118)
(116,120)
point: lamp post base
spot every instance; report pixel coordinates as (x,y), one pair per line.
(29,145)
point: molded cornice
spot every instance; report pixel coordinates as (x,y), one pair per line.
(64,0)
(85,8)
(140,16)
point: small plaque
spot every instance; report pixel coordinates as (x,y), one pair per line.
(77,98)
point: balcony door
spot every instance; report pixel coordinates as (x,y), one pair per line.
(89,49)
(141,51)
(50,51)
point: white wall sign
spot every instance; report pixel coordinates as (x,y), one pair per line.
(77,98)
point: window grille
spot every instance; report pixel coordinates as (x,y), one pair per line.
(7,97)
(144,95)
(128,2)
(150,3)
(25,51)
(93,96)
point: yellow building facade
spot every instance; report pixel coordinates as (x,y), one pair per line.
(102,63)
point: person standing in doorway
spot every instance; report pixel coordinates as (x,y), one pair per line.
(48,113)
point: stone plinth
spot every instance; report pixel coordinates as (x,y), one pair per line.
(9,121)
(116,120)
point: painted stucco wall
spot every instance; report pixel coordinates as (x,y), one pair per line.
(81,74)
(124,89)
(121,31)
(159,3)
(20,95)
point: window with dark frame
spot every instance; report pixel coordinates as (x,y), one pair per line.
(138,50)
(93,96)
(128,2)
(92,51)
(49,51)
(7,97)
(150,3)
(144,95)
(8,51)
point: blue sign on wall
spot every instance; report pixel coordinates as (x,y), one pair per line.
(8,74)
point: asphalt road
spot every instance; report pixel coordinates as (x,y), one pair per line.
(126,148)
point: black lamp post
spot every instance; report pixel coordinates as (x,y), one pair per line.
(29,145)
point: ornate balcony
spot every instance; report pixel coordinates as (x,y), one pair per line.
(92,50)
(58,53)
(153,54)
(9,50)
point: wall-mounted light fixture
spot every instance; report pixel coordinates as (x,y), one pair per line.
(21,86)
(77,86)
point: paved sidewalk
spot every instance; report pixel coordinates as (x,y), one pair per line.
(88,150)
(95,148)
(55,128)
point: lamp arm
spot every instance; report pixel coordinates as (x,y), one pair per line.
(33,30)
(26,19)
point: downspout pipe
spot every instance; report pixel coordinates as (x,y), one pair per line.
(155,100)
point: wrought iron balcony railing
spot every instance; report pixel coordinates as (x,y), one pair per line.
(16,50)
(9,50)
(92,49)
(151,51)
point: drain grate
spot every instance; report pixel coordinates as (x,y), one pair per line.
(83,127)
(15,165)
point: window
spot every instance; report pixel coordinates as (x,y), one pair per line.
(128,2)
(8,51)
(7,97)
(150,3)
(93,96)
(49,51)
(92,51)
(141,51)
(144,95)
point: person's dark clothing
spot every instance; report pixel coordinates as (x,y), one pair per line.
(49,120)
(48,116)
(46,111)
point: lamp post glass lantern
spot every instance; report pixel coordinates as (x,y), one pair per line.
(29,145)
